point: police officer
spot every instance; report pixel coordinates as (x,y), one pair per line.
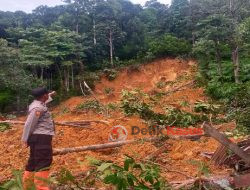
(37,134)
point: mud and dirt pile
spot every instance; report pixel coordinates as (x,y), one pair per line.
(148,78)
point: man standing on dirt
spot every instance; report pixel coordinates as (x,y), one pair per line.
(37,134)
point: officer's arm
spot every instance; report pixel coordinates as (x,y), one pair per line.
(30,123)
(50,99)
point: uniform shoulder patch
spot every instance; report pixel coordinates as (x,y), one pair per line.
(38,113)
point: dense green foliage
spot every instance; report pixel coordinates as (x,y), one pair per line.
(59,46)
(169,45)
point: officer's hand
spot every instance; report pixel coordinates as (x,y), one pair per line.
(53,93)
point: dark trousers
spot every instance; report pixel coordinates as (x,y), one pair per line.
(41,154)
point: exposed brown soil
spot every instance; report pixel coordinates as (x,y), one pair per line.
(172,71)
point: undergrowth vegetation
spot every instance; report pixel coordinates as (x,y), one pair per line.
(4,127)
(132,175)
(137,102)
(92,105)
(235,98)
(97,107)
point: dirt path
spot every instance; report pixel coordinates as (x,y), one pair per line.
(172,71)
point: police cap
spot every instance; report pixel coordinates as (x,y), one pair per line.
(38,92)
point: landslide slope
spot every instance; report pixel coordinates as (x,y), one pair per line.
(173,73)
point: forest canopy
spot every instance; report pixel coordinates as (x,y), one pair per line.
(60,46)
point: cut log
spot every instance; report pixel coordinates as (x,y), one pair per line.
(80,124)
(178,88)
(226,142)
(101,146)
(158,152)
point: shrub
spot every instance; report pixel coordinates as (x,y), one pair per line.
(240,107)
(132,175)
(134,102)
(200,80)
(169,45)
(222,91)
(110,74)
(201,106)
(181,118)
(5,98)
(93,105)
(112,106)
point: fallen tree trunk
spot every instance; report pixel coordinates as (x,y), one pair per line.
(113,145)
(80,124)
(226,142)
(158,152)
(91,121)
(179,88)
(101,146)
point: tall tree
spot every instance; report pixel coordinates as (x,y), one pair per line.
(179,19)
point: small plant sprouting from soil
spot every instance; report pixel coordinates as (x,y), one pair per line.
(108,91)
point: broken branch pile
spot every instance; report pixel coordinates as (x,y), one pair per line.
(239,159)
(214,182)
(227,142)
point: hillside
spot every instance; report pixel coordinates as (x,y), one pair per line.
(171,72)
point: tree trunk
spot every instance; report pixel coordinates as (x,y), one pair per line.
(72,77)
(111,47)
(42,70)
(218,58)
(18,103)
(51,81)
(94,30)
(101,146)
(60,75)
(77,28)
(81,67)
(34,71)
(192,21)
(66,78)
(231,5)
(236,64)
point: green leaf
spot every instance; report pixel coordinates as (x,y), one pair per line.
(111,179)
(104,166)
(127,163)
